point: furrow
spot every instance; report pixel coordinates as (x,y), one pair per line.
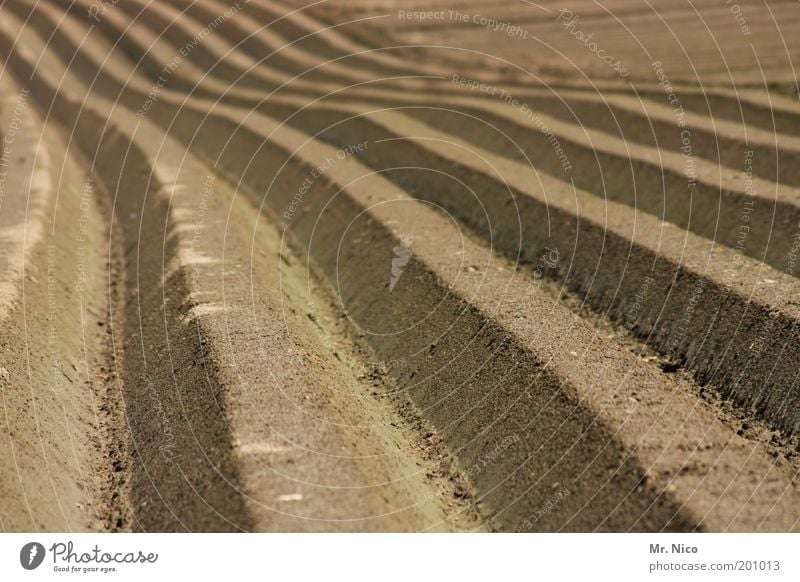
(754,300)
(502,340)
(222,442)
(317,297)
(466,311)
(59,422)
(726,205)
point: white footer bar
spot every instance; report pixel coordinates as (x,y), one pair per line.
(402,557)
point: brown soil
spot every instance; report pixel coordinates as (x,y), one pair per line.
(315,276)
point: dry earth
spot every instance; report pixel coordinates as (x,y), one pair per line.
(370,265)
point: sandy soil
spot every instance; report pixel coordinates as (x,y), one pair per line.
(399,266)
